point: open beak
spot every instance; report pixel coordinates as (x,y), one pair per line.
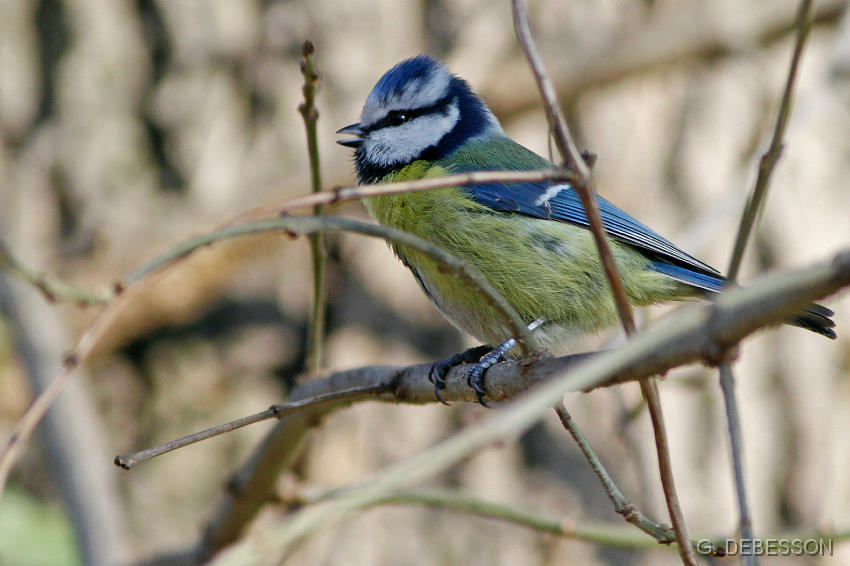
(354,130)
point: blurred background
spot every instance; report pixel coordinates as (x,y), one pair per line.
(129,126)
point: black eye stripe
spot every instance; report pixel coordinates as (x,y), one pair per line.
(398,117)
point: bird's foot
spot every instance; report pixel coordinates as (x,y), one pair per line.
(440,369)
(484,357)
(475,376)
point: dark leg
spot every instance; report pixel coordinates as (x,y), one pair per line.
(440,369)
(475,377)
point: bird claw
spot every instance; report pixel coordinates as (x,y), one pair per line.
(440,369)
(475,376)
(475,379)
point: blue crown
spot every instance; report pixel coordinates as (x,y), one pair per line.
(393,82)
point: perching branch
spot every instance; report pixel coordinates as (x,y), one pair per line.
(701,332)
(698,333)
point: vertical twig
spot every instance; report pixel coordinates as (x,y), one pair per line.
(767,164)
(768,161)
(572,161)
(745,523)
(584,188)
(317,248)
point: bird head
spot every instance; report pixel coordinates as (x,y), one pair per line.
(417,110)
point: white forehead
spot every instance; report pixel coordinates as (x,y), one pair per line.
(412,93)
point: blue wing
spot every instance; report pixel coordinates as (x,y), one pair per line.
(561,203)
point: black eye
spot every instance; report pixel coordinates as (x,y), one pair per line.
(397,117)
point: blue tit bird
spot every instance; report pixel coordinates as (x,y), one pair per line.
(529,240)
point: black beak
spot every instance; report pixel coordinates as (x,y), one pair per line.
(354,130)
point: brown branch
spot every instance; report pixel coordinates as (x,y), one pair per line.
(754,205)
(344,194)
(310,115)
(697,333)
(51,287)
(573,161)
(584,188)
(293,225)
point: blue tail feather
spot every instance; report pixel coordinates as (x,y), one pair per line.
(689,277)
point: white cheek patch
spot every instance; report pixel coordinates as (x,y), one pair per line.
(401,144)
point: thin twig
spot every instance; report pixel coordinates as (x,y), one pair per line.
(745,523)
(273,412)
(594,532)
(659,531)
(310,114)
(755,202)
(768,161)
(584,188)
(583,183)
(53,288)
(736,448)
(25,426)
(72,437)
(302,225)
(357,192)
(649,389)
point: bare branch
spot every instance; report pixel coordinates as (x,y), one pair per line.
(294,225)
(754,205)
(768,161)
(53,288)
(702,332)
(573,161)
(584,188)
(344,194)
(660,532)
(310,114)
